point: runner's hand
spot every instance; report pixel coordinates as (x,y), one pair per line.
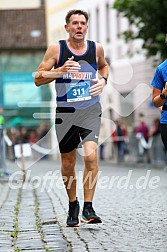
(97,88)
(71,66)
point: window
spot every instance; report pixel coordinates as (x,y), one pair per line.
(107,23)
(89,25)
(97,25)
(118,25)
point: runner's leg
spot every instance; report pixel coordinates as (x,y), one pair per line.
(68,173)
(90,170)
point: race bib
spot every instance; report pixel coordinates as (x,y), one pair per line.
(78,91)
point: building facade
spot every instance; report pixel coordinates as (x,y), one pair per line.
(22,46)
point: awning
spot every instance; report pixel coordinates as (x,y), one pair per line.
(20,121)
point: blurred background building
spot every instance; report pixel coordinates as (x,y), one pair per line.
(22,46)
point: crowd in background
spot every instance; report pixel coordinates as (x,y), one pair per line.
(144,144)
(22,135)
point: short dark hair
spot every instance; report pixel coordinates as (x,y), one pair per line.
(74,12)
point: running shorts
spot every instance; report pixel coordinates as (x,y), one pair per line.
(75,127)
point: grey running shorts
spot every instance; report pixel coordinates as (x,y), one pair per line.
(75,127)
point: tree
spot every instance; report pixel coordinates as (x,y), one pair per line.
(150,18)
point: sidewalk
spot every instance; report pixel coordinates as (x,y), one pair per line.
(27,220)
(33,217)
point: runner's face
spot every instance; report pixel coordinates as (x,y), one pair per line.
(77,27)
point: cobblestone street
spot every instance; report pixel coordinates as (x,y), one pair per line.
(132,202)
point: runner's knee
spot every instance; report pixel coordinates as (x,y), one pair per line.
(68,165)
(91,160)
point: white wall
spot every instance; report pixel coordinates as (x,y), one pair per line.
(19,4)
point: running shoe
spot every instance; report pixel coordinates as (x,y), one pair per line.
(89,216)
(73,213)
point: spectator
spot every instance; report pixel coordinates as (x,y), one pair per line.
(142,135)
(22,136)
(120,140)
(2,120)
(32,140)
(156,128)
(32,137)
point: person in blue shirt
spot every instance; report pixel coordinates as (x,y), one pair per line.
(159,97)
(80,72)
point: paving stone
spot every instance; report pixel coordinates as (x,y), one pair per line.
(131,217)
(30,235)
(6,249)
(33,250)
(29,244)
(134,220)
(4,189)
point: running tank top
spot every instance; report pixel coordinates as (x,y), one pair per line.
(72,89)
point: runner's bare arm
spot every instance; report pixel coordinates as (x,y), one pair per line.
(44,71)
(102,63)
(45,74)
(97,88)
(156,99)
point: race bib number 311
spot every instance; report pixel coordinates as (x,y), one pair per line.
(78,91)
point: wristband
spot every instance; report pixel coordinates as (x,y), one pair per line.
(163,97)
(104,79)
